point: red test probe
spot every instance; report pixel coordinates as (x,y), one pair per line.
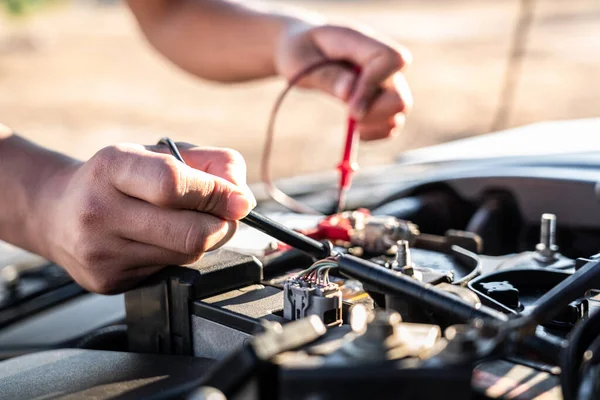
(348,165)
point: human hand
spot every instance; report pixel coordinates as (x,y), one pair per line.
(130,210)
(378,98)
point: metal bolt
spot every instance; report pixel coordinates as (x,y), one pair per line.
(548,230)
(547,247)
(403,253)
(403,262)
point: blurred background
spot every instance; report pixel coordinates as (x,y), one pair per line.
(76,76)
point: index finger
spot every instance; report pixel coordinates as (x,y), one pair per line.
(163,181)
(226,163)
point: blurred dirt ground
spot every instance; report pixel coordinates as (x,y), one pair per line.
(79,77)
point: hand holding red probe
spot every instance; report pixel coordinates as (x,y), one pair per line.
(378,98)
(371,82)
(359,69)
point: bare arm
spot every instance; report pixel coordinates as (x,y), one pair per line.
(231,41)
(218,40)
(25,169)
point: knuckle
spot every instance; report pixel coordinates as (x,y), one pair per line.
(213,201)
(101,162)
(94,262)
(393,103)
(170,183)
(400,103)
(92,213)
(211,197)
(232,156)
(388,124)
(389,58)
(106,159)
(396,58)
(102,284)
(110,153)
(91,256)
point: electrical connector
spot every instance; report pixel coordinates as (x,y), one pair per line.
(303,298)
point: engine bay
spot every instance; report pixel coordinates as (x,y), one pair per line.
(474,279)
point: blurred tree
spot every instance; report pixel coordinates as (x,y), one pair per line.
(20,7)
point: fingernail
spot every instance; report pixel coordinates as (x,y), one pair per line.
(400,120)
(239,205)
(343,86)
(251,196)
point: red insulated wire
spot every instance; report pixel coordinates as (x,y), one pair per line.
(346,167)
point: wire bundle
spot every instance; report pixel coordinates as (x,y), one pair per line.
(318,273)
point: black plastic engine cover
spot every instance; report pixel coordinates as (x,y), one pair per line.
(90,374)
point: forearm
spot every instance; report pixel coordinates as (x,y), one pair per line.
(214,39)
(25,168)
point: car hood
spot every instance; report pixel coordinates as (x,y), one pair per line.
(545,138)
(573,144)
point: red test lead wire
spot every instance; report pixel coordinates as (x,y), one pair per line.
(348,165)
